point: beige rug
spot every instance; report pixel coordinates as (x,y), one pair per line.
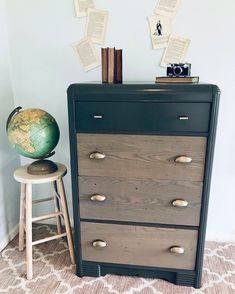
(54,274)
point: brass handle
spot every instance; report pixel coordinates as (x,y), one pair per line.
(183,118)
(183,159)
(179,203)
(98,198)
(97,155)
(177,249)
(99,243)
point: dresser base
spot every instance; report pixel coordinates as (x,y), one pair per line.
(178,277)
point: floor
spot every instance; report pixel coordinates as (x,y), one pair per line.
(54,274)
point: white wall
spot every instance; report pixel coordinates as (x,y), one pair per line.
(9,189)
(43,65)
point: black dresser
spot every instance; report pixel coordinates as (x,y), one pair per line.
(141,160)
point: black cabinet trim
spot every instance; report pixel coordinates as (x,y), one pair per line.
(176,276)
(140,224)
(206,186)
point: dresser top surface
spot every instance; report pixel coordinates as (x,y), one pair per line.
(145,91)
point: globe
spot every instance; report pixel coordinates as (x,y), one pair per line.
(32,132)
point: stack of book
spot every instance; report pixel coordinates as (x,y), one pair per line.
(111,65)
(177,79)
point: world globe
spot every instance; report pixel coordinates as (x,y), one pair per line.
(32,132)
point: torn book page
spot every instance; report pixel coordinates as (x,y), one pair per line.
(160,29)
(167,7)
(176,50)
(81,7)
(87,54)
(97,25)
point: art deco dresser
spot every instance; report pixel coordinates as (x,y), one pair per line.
(141,160)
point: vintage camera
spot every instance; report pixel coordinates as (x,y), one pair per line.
(178,70)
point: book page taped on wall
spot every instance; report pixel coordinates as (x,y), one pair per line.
(81,7)
(176,50)
(167,7)
(97,25)
(160,29)
(87,54)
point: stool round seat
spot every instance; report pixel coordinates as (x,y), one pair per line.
(21,175)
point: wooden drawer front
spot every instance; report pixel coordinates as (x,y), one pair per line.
(138,245)
(140,117)
(139,200)
(140,156)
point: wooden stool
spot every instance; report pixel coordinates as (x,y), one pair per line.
(21,175)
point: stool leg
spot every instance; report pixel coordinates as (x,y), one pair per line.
(57,207)
(60,186)
(22,216)
(29,259)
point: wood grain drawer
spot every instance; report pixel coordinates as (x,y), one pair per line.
(141,156)
(138,245)
(134,200)
(140,117)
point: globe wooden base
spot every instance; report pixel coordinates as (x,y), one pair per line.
(42,167)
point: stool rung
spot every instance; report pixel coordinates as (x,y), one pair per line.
(42,200)
(49,239)
(47,216)
(57,195)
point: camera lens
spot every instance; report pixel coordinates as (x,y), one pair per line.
(177,70)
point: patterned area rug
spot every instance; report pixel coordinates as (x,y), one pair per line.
(54,274)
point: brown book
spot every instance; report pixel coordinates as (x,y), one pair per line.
(104,58)
(111,65)
(118,66)
(177,80)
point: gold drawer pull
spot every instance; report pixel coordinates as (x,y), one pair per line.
(179,203)
(183,159)
(99,243)
(183,118)
(177,249)
(97,155)
(98,198)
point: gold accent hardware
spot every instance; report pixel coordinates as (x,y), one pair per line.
(97,155)
(177,250)
(183,159)
(179,203)
(98,198)
(99,243)
(183,118)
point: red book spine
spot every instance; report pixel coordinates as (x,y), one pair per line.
(111,65)
(118,66)
(104,58)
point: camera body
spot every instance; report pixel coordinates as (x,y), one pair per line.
(178,70)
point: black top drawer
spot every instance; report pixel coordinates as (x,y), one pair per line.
(141,117)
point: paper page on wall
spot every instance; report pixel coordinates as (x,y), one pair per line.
(167,7)
(160,29)
(87,54)
(81,7)
(97,25)
(176,50)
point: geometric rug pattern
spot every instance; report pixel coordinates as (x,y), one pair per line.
(53,272)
